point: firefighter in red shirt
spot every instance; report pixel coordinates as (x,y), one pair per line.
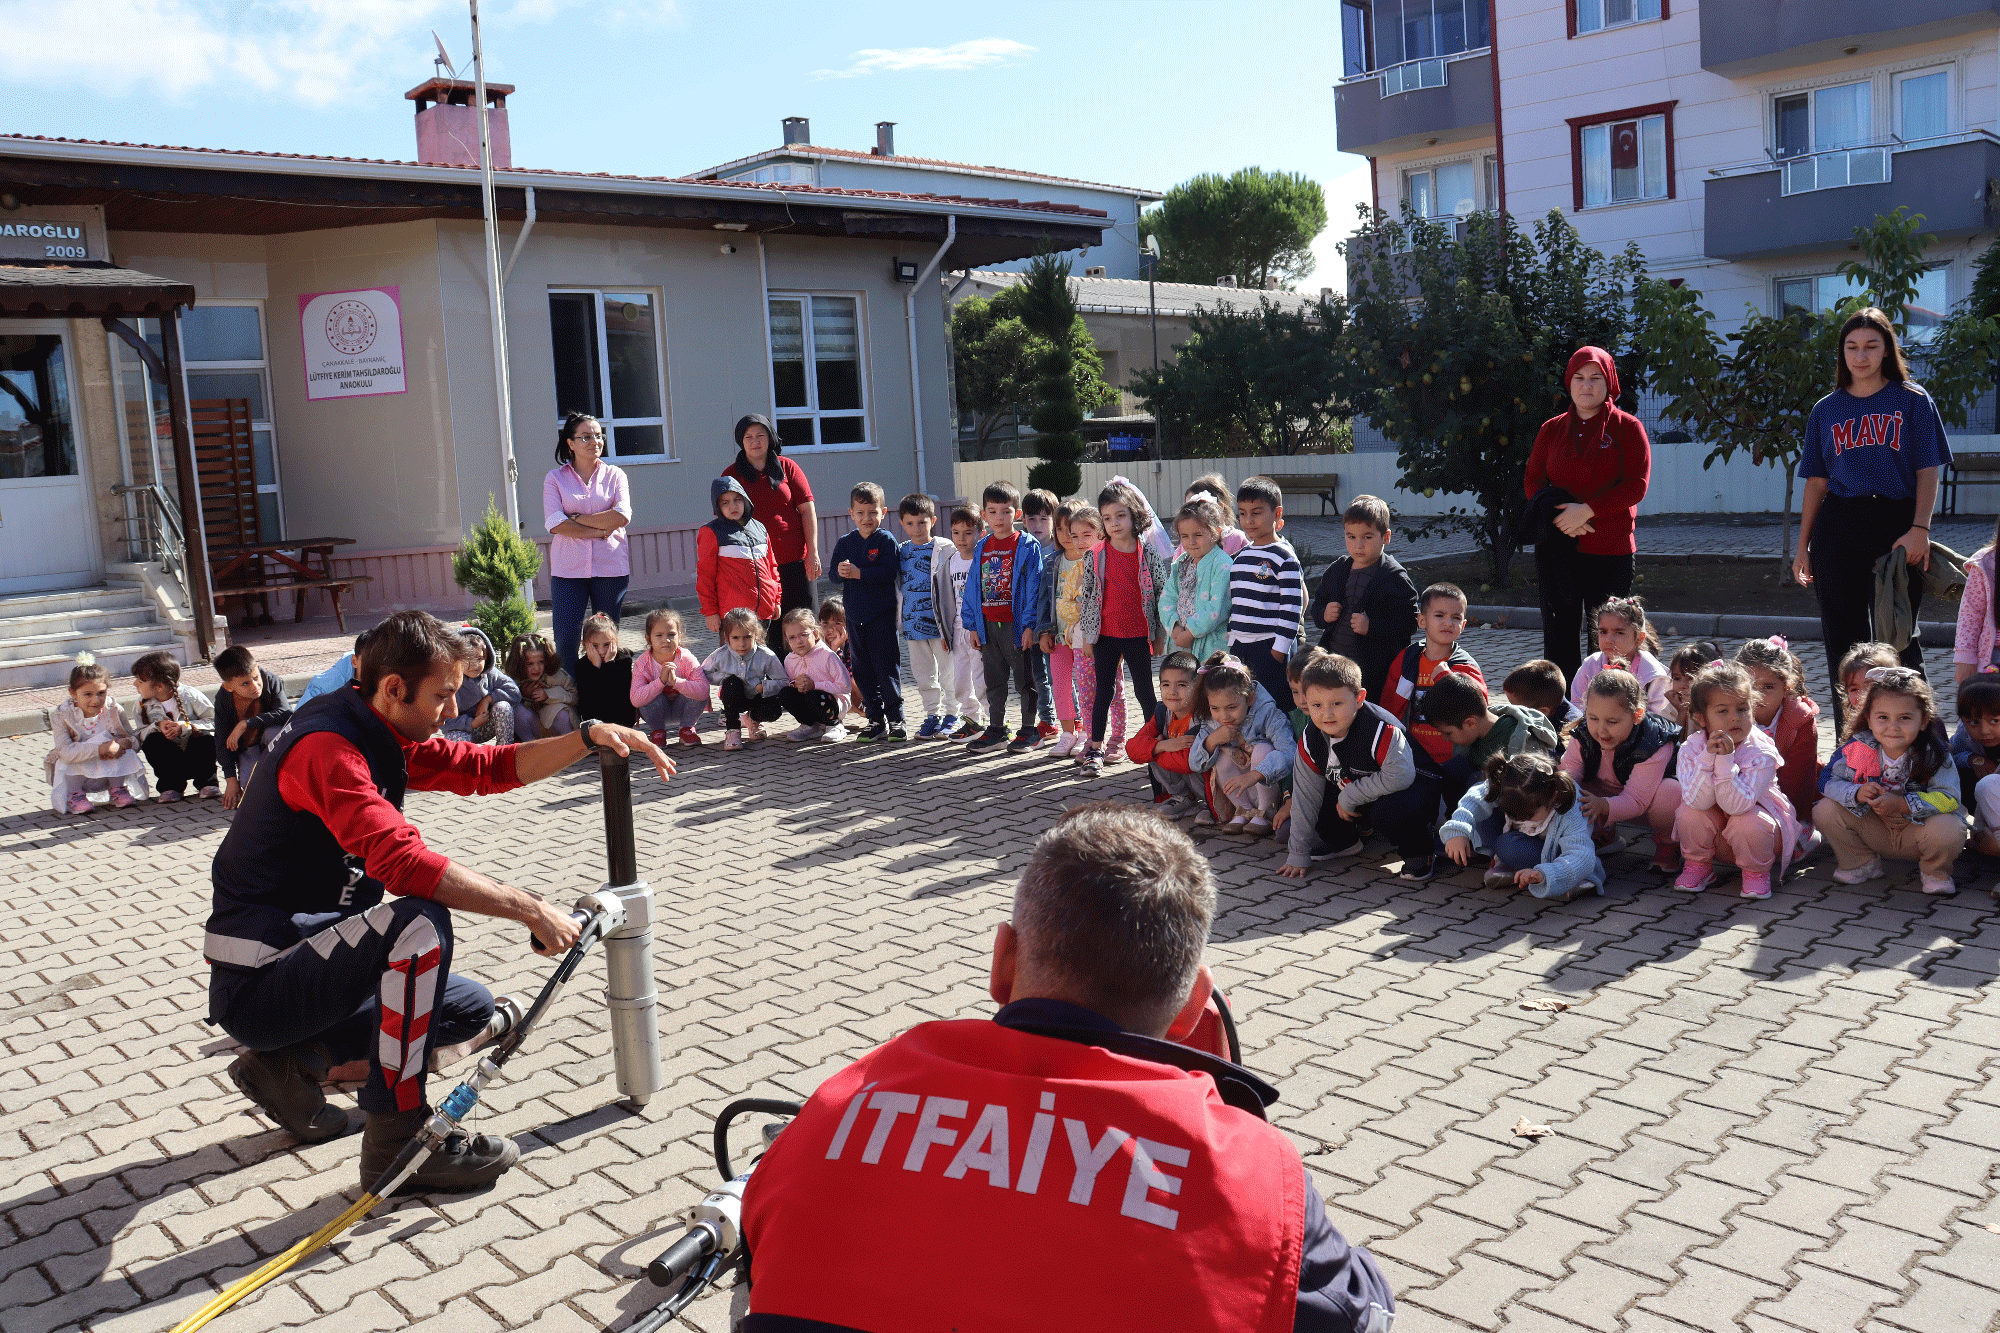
(311,965)
(1067,1164)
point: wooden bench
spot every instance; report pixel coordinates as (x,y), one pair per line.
(1324,485)
(1973,469)
(331,587)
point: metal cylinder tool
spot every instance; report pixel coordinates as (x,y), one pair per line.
(628,951)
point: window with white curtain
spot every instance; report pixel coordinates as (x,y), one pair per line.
(1624,160)
(607,347)
(1450,189)
(1597,15)
(817,370)
(1923,105)
(1825,138)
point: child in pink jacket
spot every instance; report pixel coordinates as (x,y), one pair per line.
(821,684)
(1621,757)
(1731,806)
(668,687)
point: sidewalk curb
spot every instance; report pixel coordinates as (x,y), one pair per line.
(1700,624)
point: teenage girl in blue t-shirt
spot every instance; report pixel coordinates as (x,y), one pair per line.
(1870,460)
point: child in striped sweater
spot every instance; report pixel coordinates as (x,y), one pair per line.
(1267,587)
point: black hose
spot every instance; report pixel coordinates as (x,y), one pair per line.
(1228,1027)
(741,1106)
(621,854)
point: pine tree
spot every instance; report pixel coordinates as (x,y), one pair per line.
(492,563)
(1049,311)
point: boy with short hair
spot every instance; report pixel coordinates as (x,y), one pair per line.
(1541,685)
(1038,516)
(1357,754)
(1427,660)
(1975,747)
(176,730)
(249,706)
(965,710)
(867,561)
(999,610)
(1458,707)
(1366,604)
(923,573)
(1267,588)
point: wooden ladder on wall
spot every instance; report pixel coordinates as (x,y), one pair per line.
(225,461)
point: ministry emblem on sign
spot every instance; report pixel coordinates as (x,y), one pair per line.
(350,327)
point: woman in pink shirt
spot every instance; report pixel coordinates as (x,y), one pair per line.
(586,505)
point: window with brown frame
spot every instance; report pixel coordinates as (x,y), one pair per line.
(1619,157)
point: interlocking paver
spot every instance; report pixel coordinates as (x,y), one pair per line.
(1768,1117)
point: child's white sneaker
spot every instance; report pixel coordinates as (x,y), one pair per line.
(835,733)
(1066,743)
(732,739)
(210,792)
(1861,874)
(753,730)
(808,733)
(1942,888)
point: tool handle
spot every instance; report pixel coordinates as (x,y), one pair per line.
(582,919)
(680,1258)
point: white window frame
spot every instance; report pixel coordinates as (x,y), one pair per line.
(798,173)
(1581,5)
(1482,164)
(1778,282)
(275,487)
(866,413)
(665,418)
(1666,167)
(1899,77)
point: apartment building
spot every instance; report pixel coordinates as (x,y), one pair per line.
(1739,142)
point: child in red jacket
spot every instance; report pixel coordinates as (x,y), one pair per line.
(1163,743)
(733,562)
(1784,711)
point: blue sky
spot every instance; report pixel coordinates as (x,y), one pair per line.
(1112,90)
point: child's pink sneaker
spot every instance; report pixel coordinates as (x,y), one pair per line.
(689,736)
(79,804)
(1756,884)
(1942,888)
(123,799)
(1066,743)
(164,798)
(1698,875)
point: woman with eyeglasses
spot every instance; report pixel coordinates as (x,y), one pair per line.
(586,504)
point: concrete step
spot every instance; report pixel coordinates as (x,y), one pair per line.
(109,618)
(68,643)
(70,599)
(53,668)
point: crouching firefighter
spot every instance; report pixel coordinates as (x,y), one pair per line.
(1066,1164)
(312,966)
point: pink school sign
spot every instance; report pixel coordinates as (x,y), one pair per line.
(353,342)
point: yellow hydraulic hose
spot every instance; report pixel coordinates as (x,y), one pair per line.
(243,1286)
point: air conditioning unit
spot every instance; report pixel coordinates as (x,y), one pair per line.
(1226,280)
(1095,272)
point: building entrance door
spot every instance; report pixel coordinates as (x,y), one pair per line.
(48,533)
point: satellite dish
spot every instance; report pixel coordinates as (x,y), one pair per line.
(443,58)
(1152,245)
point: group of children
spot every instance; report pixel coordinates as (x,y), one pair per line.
(1391,731)
(1385,727)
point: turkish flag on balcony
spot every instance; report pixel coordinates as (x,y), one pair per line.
(1625,146)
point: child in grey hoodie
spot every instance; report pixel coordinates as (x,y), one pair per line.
(747,675)
(487,700)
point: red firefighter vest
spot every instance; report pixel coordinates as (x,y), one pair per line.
(971,1177)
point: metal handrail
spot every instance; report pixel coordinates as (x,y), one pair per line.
(1381,70)
(1771,162)
(161,535)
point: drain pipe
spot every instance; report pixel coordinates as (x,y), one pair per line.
(527,225)
(910,323)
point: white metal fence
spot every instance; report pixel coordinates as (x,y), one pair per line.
(1679,483)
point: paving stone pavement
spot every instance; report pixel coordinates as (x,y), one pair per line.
(1776,1116)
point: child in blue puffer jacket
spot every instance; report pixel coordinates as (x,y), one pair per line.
(1527,818)
(1245,743)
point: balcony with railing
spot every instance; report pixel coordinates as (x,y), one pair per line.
(1814,201)
(1748,37)
(1435,100)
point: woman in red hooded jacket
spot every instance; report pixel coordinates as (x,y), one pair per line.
(1599,455)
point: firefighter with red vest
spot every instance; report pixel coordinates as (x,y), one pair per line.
(1069,1163)
(312,967)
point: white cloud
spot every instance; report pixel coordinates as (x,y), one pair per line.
(320,52)
(974,54)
